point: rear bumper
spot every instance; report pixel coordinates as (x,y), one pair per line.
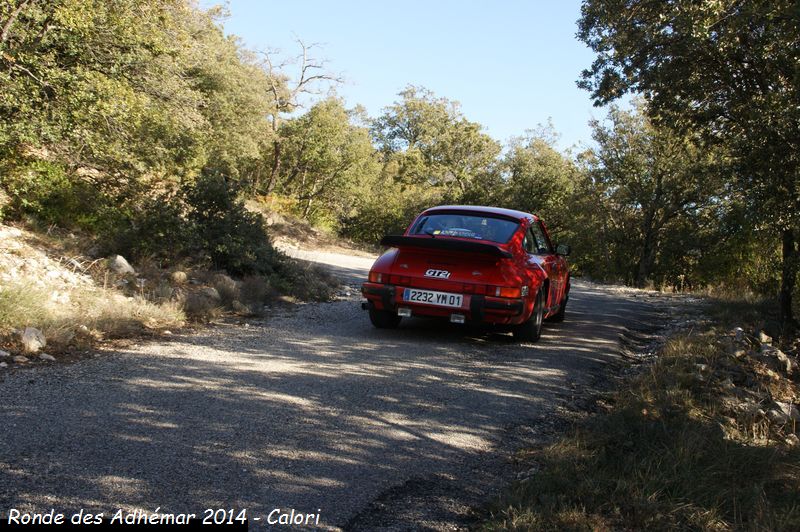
(476,308)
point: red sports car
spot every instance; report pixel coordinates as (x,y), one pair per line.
(471,264)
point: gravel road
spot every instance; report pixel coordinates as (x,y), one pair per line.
(311,409)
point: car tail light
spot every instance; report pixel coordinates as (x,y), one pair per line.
(375,277)
(507,291)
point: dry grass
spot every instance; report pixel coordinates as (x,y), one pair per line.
(83,311)
(674,452)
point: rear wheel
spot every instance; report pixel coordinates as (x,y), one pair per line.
(531,330)
(383,319)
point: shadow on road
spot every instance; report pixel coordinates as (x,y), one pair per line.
(316,410)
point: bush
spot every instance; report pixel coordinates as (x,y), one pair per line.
(255,291)
(202,304)
(234,238)
(156,228)
(43,190)
(5,201)
(227,289)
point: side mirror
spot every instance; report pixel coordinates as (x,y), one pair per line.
(563,249)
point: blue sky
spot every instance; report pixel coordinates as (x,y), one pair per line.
(512,64)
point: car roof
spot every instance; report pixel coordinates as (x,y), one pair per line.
(497,211)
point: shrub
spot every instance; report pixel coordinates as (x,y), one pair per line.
(44,190)
(255,290)
(227,289)
(234,238)
(155,227)
(202,304)
(5,201)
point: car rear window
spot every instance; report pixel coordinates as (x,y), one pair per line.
(466,226)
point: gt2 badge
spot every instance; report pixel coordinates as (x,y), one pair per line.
(439,274)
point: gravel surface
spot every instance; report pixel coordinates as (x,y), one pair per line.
(311,409)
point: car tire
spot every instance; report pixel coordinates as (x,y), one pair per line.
(383,319)
(531,330)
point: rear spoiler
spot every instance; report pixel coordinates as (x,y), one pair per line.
(397,241)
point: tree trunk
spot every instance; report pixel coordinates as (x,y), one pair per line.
(645,263)
(647,258)
(276,166)
(4,33)
(788,275)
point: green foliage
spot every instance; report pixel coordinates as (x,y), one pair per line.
(539,179)
(433,144)
(652,198)
(326,160)
(233,237)
(726,69)
(40,188)
(140,122)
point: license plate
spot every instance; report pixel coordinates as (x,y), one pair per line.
(429,297)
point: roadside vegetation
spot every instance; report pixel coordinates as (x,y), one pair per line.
(704,437)
(141,127)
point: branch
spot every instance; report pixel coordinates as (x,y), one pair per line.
(11,19)
(41,82)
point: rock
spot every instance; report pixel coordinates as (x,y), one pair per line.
(526,475)
(764,338)
(792,440)
(789,364)
(48,358)
(120,266)
(776,416)
(209,293)
(178,277)
(32,340)
(238,306)
(739,353)
(738,334)
(776,358)
(4,354)
(3,365)
(752,409)
(788,410)
(167,333)
(20,359)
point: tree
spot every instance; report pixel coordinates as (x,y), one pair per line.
(728,68)
(326,159)
(286,94)
(233,101)
(649,179)
(538,178)
(433,143)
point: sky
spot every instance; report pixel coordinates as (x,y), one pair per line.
(512,64)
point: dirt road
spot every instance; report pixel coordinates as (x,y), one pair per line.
(312,410)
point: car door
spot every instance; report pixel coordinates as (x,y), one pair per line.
(552,264)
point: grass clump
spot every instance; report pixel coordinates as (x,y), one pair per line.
(685,445)
(80,312)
